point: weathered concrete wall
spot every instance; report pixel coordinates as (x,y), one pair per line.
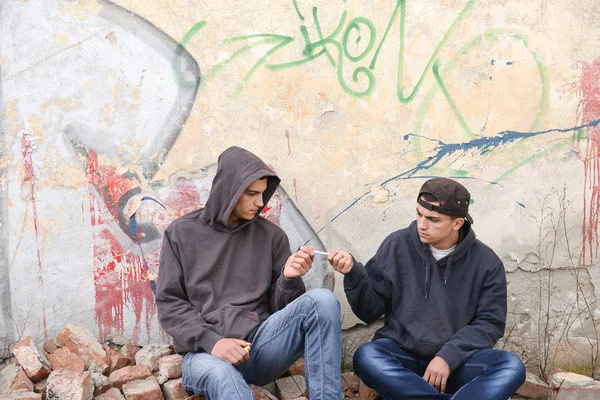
(353,103)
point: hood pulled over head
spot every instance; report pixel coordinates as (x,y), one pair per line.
(237,168)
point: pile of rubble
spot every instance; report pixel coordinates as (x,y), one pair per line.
(561,385)
(75,366)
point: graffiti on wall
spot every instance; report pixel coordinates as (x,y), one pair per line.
(348,35)
(136,86)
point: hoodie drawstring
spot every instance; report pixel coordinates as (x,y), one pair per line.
(447,270)
(427,276)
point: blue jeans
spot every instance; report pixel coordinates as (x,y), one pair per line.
(309,325)
(396,374)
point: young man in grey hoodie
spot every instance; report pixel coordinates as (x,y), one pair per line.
(443,293)
(231,294)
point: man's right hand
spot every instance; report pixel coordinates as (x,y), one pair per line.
(340,261)
(231,351)
(299,263)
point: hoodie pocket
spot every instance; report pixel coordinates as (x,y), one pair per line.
(233,322)
(421,348)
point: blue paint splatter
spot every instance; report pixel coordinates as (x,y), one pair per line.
(493,61)
(356,200)
(483,144)
(509,63)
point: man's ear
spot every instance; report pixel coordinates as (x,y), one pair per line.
(457,223)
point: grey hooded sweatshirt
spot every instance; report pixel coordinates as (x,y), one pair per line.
(451,307)
(215,280)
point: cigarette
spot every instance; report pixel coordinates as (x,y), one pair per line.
(321,252)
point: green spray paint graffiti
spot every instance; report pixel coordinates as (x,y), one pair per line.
(355,28)
(336,47)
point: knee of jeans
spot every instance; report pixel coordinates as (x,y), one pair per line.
(364,359)
(515,365)
(197,375)
(325,300)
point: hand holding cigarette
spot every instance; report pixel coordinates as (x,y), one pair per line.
(340,261)
(299,263)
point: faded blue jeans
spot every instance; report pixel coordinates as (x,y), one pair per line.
(309,325)
(396,374)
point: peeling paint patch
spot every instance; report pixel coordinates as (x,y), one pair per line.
(62,39)
(11,110)
(112,38)
(321,96)
(81,9)
(381,195)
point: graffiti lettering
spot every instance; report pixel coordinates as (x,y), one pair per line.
(344,33)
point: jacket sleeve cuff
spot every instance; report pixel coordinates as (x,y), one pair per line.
(451,356)
(207,340)
(290,284)
(356,275)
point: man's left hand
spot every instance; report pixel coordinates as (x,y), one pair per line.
(437,373)
(299,263)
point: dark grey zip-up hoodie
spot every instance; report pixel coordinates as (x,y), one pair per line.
(217,281)
(451,308)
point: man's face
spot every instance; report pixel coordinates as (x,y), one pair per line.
(249,203)
(437,230)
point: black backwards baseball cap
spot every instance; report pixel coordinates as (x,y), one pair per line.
(454,198)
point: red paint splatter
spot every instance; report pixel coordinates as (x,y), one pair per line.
(272,211)
(29,176)
(295,191)
(120,276)
(287,135)
(588,111)
(184,199)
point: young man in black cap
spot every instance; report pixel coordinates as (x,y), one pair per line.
(443,293)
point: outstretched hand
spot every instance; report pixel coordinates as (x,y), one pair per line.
(299,263)
(340,261)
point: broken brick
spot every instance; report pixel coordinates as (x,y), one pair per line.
(170,366)
(130,373)
(147,389)
(83,343)
(64,384)
(150,354)
(64,358)
(33,361)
